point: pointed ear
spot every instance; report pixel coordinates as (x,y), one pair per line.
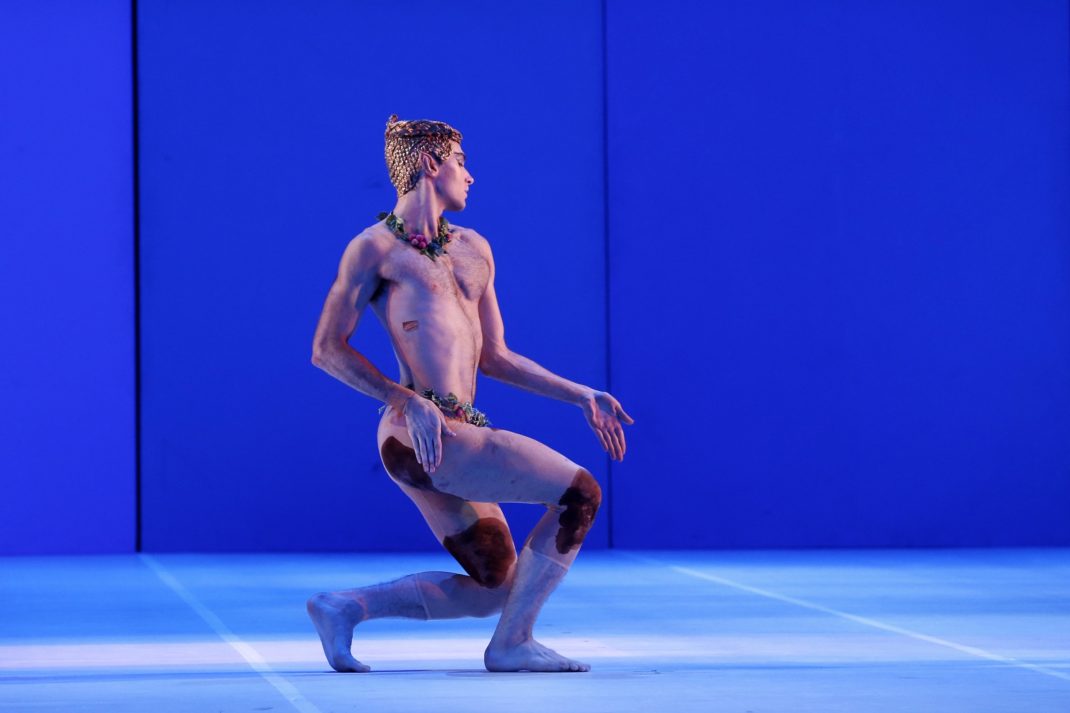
(428,164)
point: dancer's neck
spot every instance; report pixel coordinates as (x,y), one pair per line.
(419,210)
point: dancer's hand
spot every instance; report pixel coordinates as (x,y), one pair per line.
(426,424)
(604,415)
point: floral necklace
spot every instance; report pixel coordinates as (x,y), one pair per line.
(431,248)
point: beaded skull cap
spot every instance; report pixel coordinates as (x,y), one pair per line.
(404,142)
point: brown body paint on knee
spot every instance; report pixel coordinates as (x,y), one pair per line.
(401,464)
(485,550)
(581,502)
(410,325)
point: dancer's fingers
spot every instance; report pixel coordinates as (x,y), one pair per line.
(429,455)
(623,416)
(619,443)
(415,445)
(426,449)
(602,438)
(614,447)
(436,448)
(623,443)
(421,451)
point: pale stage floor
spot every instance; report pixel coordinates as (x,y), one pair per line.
(868,631)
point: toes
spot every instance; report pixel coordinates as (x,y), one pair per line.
(349,664)
(535,658)
(576,666)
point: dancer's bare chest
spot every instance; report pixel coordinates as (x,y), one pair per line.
(460,276)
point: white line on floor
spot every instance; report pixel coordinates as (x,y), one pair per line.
(247,652)
(972,650)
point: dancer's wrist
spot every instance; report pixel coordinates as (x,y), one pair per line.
(586,396)
(399,398)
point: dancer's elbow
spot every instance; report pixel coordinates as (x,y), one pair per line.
(492,361)
(321,355)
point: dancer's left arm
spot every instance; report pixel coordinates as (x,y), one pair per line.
(604,413)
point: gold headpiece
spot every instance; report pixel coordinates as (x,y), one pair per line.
(404,142)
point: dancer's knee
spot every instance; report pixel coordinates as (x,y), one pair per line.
(580,503)
(486,552)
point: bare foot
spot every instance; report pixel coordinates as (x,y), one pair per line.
(529,656)
(335,618)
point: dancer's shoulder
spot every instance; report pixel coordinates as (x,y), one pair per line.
(472,236)
(368,247)
(375,238)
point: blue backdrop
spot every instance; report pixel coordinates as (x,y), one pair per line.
(262,147)
(837,257)
(855,215)
(67,454)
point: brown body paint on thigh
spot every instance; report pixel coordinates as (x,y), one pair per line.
(401,464)
(581,502)
(485,550)
(410,325)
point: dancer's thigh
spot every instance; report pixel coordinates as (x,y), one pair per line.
(475,534)
(479,464)
(448,515)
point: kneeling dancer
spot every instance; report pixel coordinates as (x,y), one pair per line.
(431,284)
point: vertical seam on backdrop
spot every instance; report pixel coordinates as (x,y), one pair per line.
(247,652)
(891,628)
(136,156)
(605,256)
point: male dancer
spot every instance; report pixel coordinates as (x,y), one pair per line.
(431,284)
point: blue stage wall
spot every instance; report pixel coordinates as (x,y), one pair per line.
(846,222)
(839,272)
(66,278)
(262,155)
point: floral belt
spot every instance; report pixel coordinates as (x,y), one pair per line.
(453,407)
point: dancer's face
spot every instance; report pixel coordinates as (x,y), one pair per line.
(451,179)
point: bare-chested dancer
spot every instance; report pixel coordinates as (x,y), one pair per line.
(432,287)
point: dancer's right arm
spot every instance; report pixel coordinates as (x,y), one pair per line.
(358,278)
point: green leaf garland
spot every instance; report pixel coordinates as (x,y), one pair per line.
(431,248)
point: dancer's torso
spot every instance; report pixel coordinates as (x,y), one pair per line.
(430,309)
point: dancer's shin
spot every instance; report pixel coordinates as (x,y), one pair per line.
(537,575)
